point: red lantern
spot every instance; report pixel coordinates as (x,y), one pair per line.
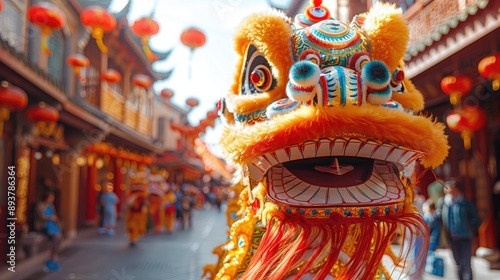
(142,81)
(489,67)
(192,38)
(144,28)
(466,120)
(12,98)
(42,113)
(100,21)
(111,76)
(192,102)
(456,87)
(167,93)
(47,17)
(1,5)
(78,61)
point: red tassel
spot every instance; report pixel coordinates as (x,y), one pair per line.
(294,246)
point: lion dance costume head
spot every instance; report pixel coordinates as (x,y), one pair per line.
(323,124)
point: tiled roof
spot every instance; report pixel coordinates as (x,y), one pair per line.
(444,28)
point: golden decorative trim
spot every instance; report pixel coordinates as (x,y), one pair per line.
(389,209)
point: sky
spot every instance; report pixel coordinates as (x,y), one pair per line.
(212,65)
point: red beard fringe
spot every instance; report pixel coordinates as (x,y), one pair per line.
(288,237)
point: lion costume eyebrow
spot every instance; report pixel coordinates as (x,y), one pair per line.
(375,122)
(270,33)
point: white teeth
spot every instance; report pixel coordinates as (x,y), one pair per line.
(358,195)
(346,196)
(271,159)
(382,152)
(310,148)
(256,173)
(367,149)
(309,193)
(333,196)
(295,153)
(382,186)
(282,156)
(409,157)
(320,197)
(334,147)
(368,191)
(353,148)
(339,147)
(323,148)
(395,156)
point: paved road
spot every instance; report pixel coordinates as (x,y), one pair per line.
(178,256)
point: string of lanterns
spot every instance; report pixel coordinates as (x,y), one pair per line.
(467,119)
(99,21)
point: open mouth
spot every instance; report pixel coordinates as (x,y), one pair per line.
(334,172)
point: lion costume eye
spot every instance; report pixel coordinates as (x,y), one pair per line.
(261,78)
(257,73)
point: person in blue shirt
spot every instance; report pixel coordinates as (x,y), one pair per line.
(433,223)
(460,222)
(48,215)
(108,201)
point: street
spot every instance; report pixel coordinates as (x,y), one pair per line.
(177,256)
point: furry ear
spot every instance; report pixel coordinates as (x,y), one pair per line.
(387,32)
(271,34)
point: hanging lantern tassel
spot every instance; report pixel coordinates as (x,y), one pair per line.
(46,31)
(467,138)
(4,116)
(98,34)
(147,50)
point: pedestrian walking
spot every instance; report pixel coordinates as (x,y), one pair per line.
(460,222)
(108,202)
(169,210)
(432,221)
(136,216)
(48,216)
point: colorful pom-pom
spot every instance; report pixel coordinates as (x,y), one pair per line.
(304,73)
(375,74)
